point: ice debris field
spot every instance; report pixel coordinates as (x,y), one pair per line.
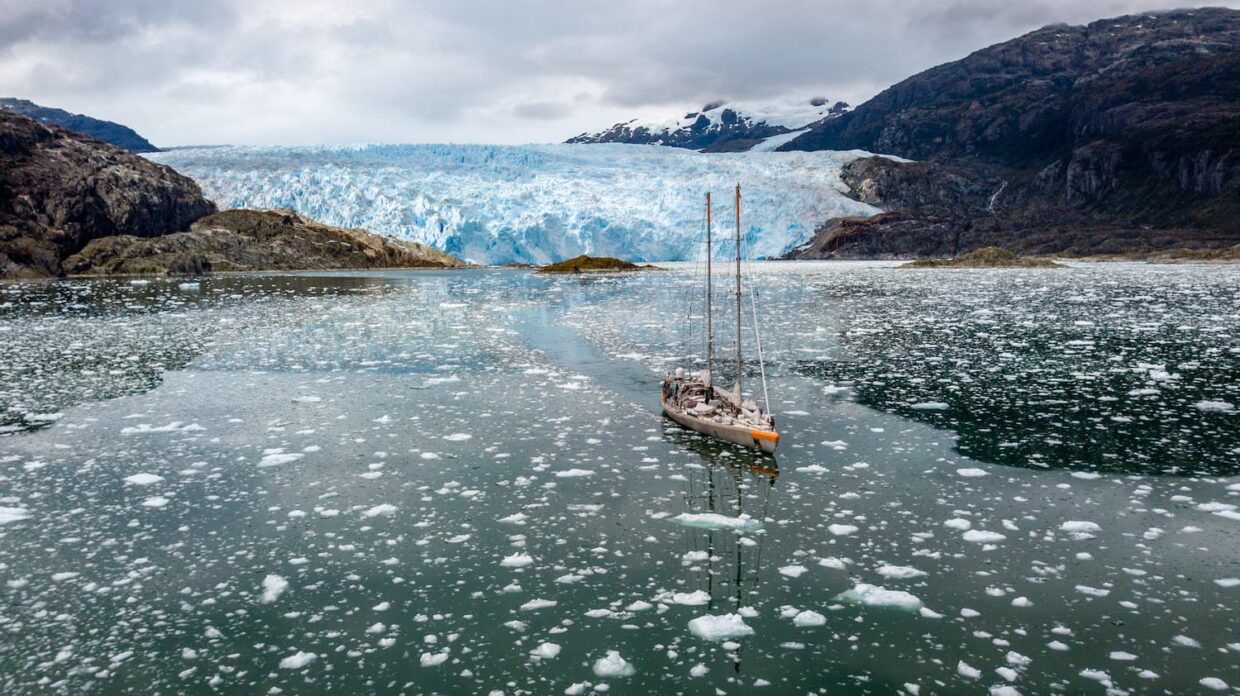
(429,482)
(497,204)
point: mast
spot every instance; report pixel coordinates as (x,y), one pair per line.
(738,294)
(710,328)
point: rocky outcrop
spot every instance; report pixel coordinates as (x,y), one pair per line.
(107,131)
(59,190)
(252,240)
(720,126)
(1129,124)
(986,257)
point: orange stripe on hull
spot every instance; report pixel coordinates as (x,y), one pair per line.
(763,435)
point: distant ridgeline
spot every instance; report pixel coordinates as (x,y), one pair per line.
(1116,137)
(107,131)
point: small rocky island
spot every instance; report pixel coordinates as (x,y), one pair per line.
(986,257)
(595,264)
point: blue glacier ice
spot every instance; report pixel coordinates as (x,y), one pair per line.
(534,203)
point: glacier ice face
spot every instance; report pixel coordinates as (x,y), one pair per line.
(535,203)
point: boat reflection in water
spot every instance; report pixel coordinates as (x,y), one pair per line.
(730,481)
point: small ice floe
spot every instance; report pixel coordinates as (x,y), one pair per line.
(971,472)
(967,671)
(458,539)
(958,523)
(13,514)
(899,572)
(613,665)
(156,501)
(307,399)
(833,563)
(929,406)
(430,659)
(712,520)
(1213,683)
(457,437)
(842,529)
(189,287)
(139,281)
(981,536)
(273,587)
(796,413)
(722,627)
(691,599)
(813,469)
(450,379)
(173,427)
(793,571)
(298,660)
(546,651)
(537,604)
(143,479)
(1215,406)
(1080,530)
(517,560)
(278,457)
(808,618)
(875,596)
(385,509)
(516,518)
(574,473)
(1221,582)
(1092,591)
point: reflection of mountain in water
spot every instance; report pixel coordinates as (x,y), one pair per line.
(731,481)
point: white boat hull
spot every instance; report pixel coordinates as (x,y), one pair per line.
(745,436)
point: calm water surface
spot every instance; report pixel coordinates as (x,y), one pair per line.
(433,482)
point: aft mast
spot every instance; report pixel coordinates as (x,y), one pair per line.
(738,293)
(710,327)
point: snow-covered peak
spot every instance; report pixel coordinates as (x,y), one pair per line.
(721,126)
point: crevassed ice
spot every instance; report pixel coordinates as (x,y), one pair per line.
(534,203)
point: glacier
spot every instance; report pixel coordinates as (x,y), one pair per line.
(499,204)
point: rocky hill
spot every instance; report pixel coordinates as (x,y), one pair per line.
(721,126)
(1124,134)
(60,189)
(107,131)
(252,240)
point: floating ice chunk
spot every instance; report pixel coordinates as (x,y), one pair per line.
(967,671)
(699,670)
(639,605)
(516,518)
(1186,642)
(457,437)
(307,399)
(875,596)
(146,428)
(972,472)
(1221,582)
(278,458)
(429,659)
(1121,656)
(13,514)
(574,473)
(156,501)
(958,523)
(832,562)
(842,529)
(899,572)
(1080,530)
(813,469)
(1214,406)
(1092,591)
(809,618)
(1213,683)
(458,539)
(273,587)
(298,660)
(546,651)
(691,599)
(929,406)
(723,627)
(517,560)
(143,479)
(979,536)
(711,520)
(386,509)
(536,604)
(613,666)
(793,571)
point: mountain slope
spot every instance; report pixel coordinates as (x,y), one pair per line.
(107,131)
(1129,122)
(60,189)
(720,127)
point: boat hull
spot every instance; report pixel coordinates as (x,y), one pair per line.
(763,440)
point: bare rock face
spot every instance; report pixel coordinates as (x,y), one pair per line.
(252,240)
(59,190)
(1130,123)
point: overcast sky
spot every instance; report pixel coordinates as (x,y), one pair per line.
(329,71)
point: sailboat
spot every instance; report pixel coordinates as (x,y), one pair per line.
(692,400)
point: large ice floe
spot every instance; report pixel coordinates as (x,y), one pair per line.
(533,203)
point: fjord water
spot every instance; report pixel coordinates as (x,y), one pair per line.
(431,482)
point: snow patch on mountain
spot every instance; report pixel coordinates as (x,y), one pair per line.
(535,203)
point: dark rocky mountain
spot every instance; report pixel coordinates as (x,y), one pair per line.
(107,131)
(252,240)
(1122,135)
(720,127)
(60,189)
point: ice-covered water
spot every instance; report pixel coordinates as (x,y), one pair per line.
(533,203)
(456,481)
